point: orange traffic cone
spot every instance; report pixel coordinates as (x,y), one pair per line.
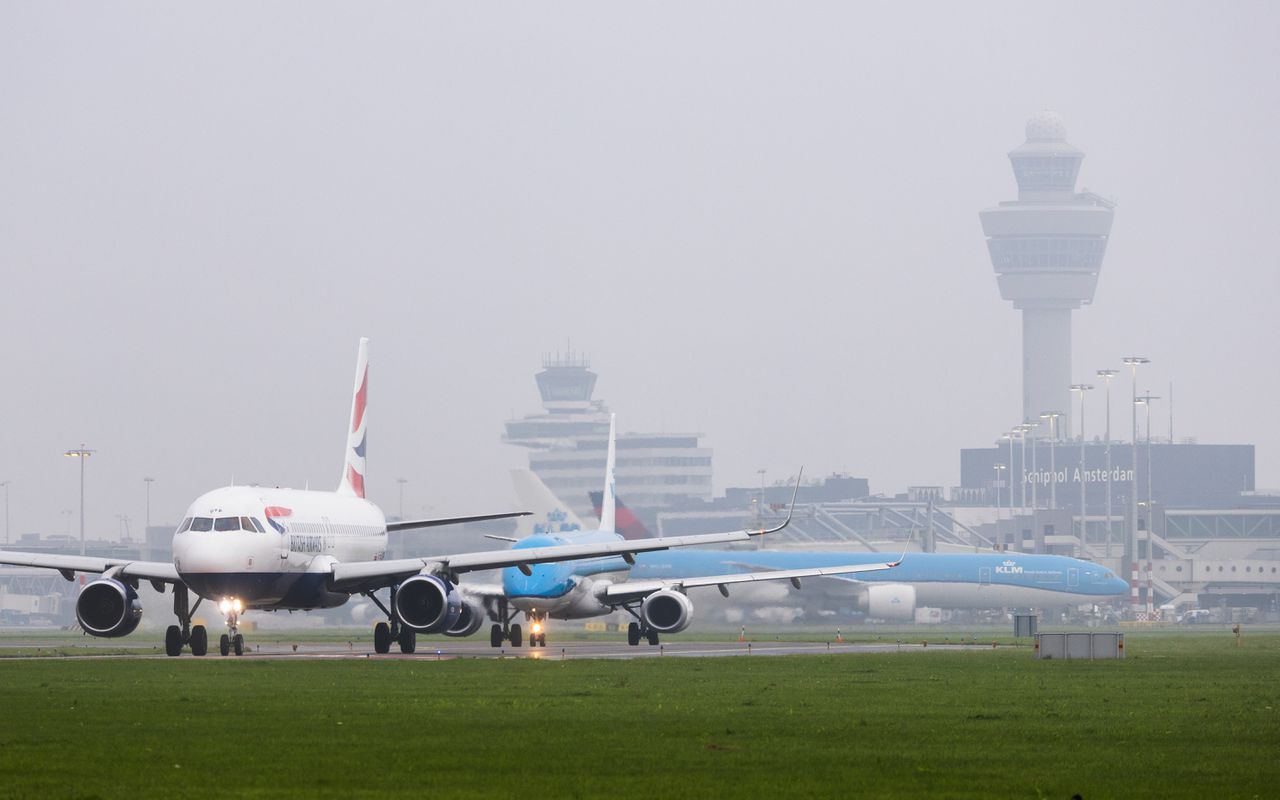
(742,637)
(839,638)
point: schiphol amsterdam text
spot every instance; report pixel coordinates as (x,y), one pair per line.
(1076,475)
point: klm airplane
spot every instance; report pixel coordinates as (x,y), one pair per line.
(594,586)
(933,580)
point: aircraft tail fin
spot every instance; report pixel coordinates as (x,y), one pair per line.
(629,525)
(550,515)
(353,468)
(608,506)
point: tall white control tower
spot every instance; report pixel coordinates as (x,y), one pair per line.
(1047,248)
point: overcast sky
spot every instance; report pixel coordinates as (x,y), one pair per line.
(759,220)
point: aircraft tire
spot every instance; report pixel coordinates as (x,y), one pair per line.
(653,637)
(517,635)
(173,641)
(408,640)
(382,638)
(633,634)
(224,644)
(495,636)
(238,644)
(199,641)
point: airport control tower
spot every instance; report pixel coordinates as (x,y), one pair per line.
(1047,248)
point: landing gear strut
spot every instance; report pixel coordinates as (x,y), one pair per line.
(232,639)
(384,633)
(175,636)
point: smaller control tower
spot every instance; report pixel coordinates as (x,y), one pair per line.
(1047,248)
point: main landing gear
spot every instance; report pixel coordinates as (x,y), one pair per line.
(384,633)
(175,636)
(504,630)
(638,630)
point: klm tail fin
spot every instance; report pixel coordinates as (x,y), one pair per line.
(608,513)
(353,470)
(629,525)
(550,515)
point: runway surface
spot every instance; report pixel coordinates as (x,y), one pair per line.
(62,648)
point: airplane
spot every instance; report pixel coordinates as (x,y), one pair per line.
(252,547)
(599,586)
(933,580)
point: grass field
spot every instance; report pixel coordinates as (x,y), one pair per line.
(1183,716)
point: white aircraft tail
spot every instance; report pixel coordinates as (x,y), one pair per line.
(609,500)
(353,470)
(549,513)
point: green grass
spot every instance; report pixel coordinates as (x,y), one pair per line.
(1183,716)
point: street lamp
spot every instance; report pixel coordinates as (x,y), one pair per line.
(146,532)
(1024,428)
(83,454)
(999,468)
(1052,416)
(402,482)
(1082,388)
(1133,362)
(1145,400)
(1107,375)
(1035,468)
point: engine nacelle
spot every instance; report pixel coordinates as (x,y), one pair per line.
(469,621)
(107,607)
(889,601)
(667,611)
(428,604)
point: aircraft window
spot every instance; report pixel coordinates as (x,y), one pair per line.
(202,524)
(246,524)
(257,526)
(186,525)
(226,524)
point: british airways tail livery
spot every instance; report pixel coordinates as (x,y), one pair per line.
(253,548)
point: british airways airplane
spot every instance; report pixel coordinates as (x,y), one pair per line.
(250,547)
(597,586)
(934,580)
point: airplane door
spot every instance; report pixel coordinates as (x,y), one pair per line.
(1073,577)
(984,576)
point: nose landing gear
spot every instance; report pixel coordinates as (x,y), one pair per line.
(232,639)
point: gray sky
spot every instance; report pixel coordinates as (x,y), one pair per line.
(760,220)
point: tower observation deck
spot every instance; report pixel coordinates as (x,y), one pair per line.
(1047,248)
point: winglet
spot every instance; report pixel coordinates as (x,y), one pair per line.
(353,468)
(905,547)
(790,509)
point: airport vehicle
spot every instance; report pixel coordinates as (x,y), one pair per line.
(932,580)
(598,586)
(252,547)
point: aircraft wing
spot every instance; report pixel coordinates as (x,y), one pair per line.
(411,524)
(628,591)
(368,575)
(69,565)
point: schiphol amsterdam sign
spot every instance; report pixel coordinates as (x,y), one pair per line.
(1076,475)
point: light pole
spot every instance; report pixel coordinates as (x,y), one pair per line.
(1131,540)
(1107,375)
(1025,428)
(402,482)
(5,484)
(83,454)
(999,468)
(1035,468)
(1010,436)
(1082,388)
(146,532)
(1052,416)
(1145,400)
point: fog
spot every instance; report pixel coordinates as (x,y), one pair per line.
(759,220)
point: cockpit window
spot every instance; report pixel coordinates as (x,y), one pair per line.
(257,526)
(226,524)
(246,524)
(186,525)
(202,524)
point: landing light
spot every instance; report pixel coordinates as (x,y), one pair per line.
(537,627)
(224,606)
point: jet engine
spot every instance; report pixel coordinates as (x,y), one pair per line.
(667,611)
(107,607)
(889,601)
(428,604)
(469,620)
